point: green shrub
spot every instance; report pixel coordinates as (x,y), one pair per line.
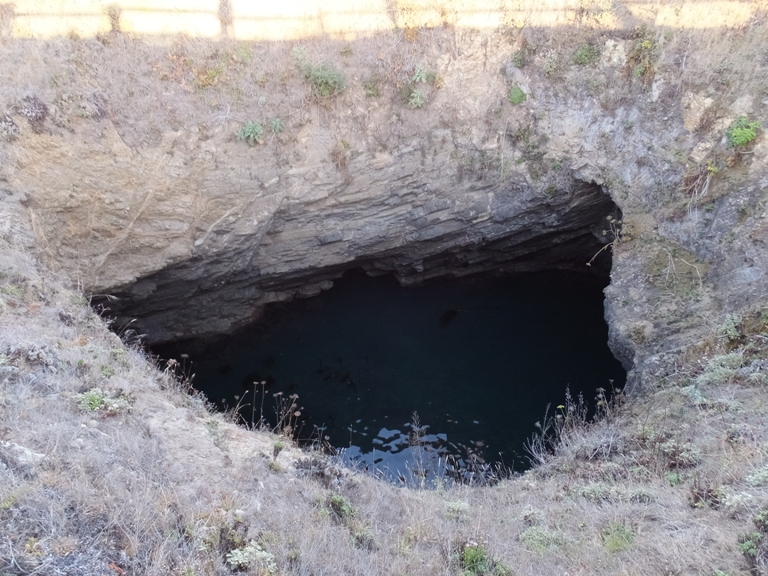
(342,508)
(722,369)
(586,55)
(742,131)
(641,58)
(516,95)
(325,79)
(109,403)
(749,544)
(474,560)
(730,329)
(250,132)
(91,401)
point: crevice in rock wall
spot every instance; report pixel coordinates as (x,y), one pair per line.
(520,230)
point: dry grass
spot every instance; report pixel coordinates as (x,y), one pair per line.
(664,483)
(211,84)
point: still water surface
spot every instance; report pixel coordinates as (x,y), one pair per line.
(477,359)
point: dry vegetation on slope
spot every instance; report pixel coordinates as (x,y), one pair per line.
(108,466)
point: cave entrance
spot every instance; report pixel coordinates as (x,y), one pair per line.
(447,379)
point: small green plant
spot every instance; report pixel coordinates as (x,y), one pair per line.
(252,554)
(538,539)
(423,76)
(277,448)
(326,80)
(586,54)
(758,478)
(419,75)
(371,88)
(641,58)
(742,132)
(673,478)
(362,537)
(208,77)
(417,98)
(276,125)
(299,54)
(617,537)
(761,521)
(251,132)
(91,401)
(415,92)
(722,369)
(11,500)
(518,59)
(32,547)
(97,400)
(516,95)
(474,560)
(598,492)
(11,290)
(550,64)
(642,496)
(730,329)
(213,427)
(243,52)
(749,545)
(342,508)
(680,454)
(704,493)
(531,516)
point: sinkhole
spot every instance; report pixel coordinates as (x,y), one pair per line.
(443,380)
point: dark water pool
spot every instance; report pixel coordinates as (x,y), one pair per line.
(476,359)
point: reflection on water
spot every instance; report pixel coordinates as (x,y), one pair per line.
(415,383)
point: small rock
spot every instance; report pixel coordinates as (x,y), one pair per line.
(20,459)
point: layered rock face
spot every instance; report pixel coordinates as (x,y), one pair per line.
(395,224)
(141,192)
